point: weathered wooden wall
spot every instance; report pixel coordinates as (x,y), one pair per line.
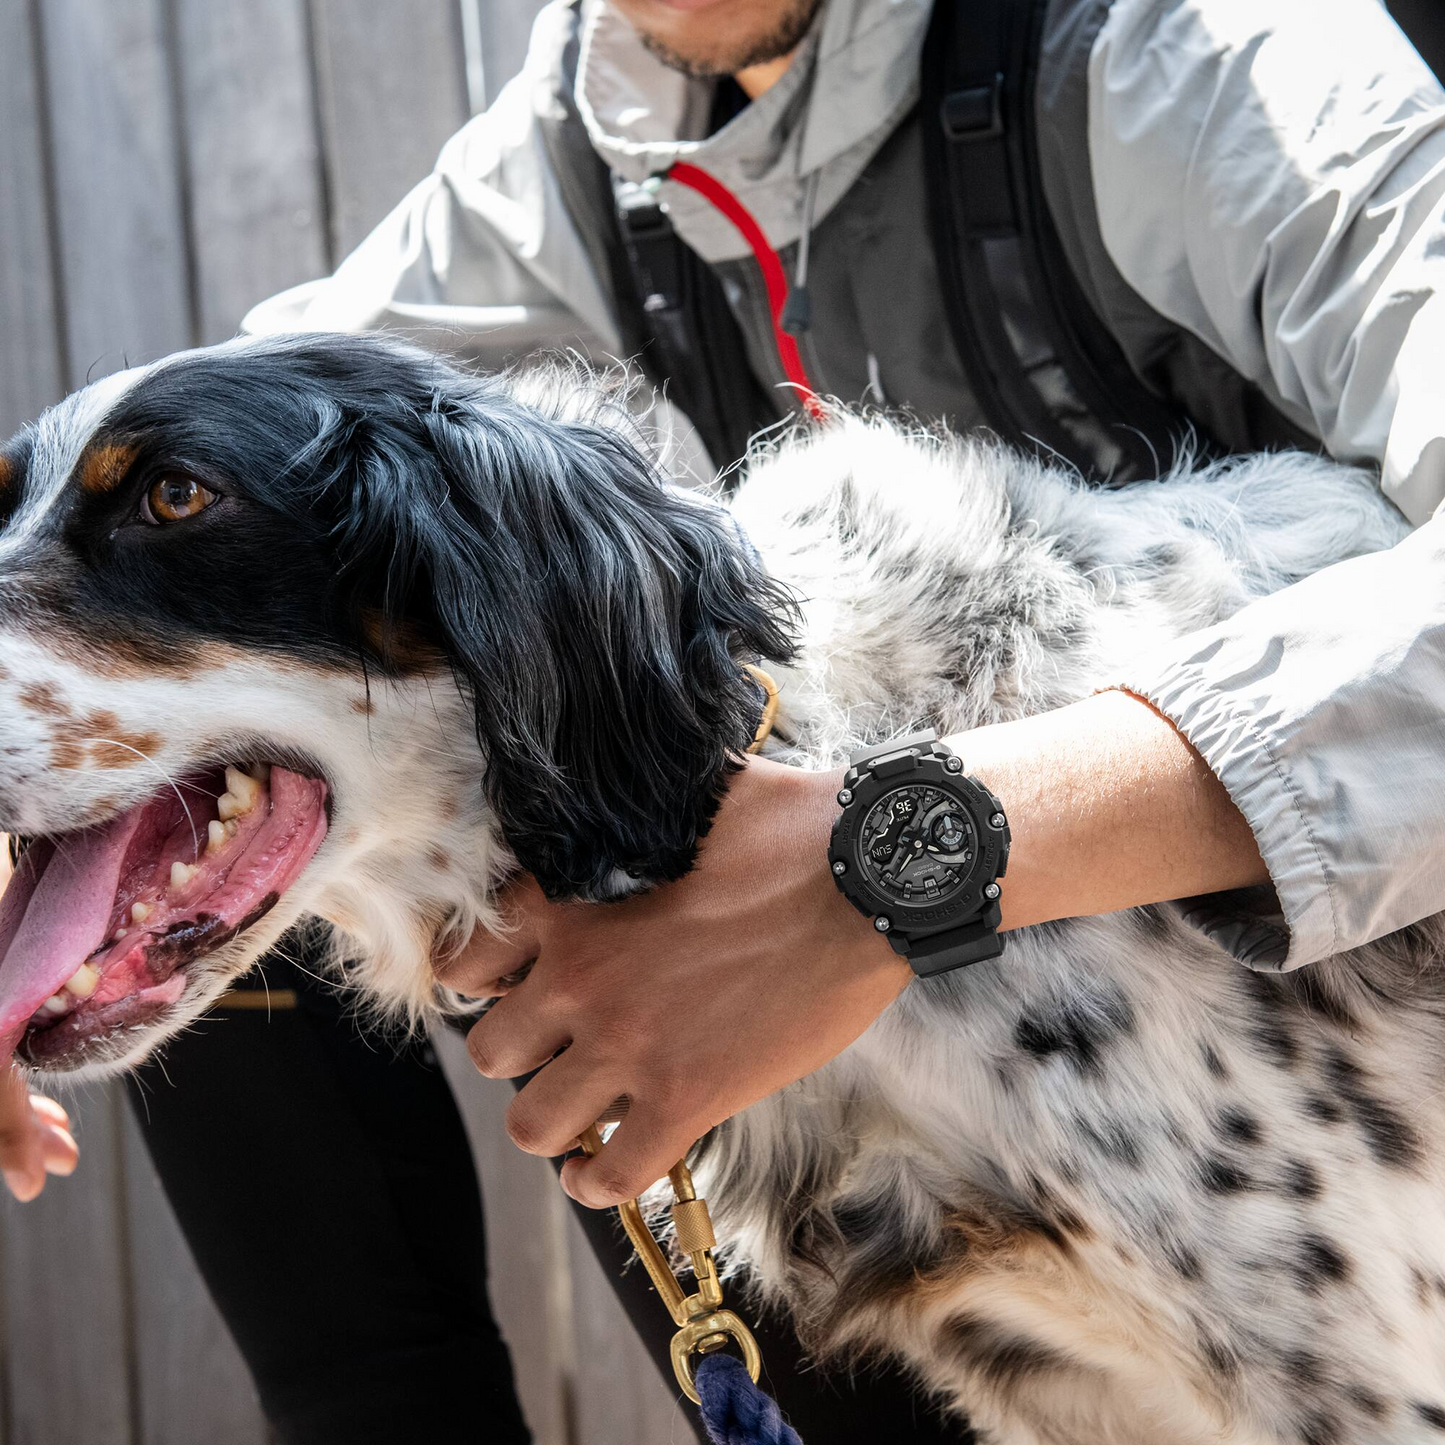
(163,165)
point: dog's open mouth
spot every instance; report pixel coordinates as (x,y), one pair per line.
(98,925)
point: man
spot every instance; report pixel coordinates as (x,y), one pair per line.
(1252,200)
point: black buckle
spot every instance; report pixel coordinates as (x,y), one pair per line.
(974,113)
(641,216)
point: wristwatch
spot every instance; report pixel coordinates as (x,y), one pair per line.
(920,848)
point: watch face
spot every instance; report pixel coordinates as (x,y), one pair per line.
(917,844)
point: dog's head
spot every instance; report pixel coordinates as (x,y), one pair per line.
(324,626)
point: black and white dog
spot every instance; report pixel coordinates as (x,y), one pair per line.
(323,626)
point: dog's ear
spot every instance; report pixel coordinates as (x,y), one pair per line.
(596,619)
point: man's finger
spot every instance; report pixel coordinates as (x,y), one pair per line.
(58,1150)
(50,1110)
(639,1152)
(513,1040)
(549,1114)
(486,958)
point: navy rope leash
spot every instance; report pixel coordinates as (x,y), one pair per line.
(736,1411)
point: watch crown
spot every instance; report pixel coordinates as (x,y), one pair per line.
(845,796)
(953,764)
(997,821)
(990,890)
(882,924)
(839,868)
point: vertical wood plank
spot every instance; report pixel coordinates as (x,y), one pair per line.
(526,1249)
(253,155)
(192,1384)
(392,85)
(66,1295)
(31,360)
(502,28)
(124,265)
(583,1375)
(633,1403)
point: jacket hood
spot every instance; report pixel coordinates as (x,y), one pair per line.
(854,78)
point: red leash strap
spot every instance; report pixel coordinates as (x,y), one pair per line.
(716,194)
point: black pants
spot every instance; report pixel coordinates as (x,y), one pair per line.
(326,1189)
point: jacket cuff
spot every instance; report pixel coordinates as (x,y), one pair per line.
(1270,928)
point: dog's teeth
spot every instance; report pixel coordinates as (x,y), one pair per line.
(55,1005)
(139,912)
(241,795)
(82,983)
(182,873)
(216,835)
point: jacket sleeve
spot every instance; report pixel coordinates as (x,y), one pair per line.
(1271,176)
(481,258)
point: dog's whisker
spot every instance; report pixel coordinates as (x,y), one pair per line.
(170,781)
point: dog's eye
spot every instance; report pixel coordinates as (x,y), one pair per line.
(174,498)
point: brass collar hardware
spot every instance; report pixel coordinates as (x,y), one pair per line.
(703,1325)
(770,707)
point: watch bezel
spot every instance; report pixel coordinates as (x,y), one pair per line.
(928,916)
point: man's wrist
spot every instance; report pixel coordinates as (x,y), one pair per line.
(864,949)
(1110,807)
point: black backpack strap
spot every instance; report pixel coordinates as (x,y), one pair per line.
(1043,367)
(672,315)
(695,341)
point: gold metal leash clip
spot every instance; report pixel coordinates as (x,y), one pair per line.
(703,1324)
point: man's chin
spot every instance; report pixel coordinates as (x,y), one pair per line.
(710,41)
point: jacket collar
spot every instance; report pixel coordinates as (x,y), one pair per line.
(854,78)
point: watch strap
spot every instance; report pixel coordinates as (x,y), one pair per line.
(974,942)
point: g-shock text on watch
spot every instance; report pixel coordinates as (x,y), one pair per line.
(919,848)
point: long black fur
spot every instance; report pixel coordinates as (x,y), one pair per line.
(606,683)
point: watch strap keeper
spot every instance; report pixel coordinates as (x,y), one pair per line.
(974,942)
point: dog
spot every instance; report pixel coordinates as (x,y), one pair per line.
(322,626)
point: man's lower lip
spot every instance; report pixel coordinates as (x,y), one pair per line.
(688,4)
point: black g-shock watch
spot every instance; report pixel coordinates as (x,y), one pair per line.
(920,848)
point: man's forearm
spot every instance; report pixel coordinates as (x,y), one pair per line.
(1110,808)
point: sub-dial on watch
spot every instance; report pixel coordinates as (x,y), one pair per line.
(920,848)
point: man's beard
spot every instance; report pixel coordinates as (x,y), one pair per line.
(781,40)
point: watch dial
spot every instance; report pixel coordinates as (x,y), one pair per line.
(917,844)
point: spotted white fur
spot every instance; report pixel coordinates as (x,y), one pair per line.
(1112,1188)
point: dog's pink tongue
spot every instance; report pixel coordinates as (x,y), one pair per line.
(55,913)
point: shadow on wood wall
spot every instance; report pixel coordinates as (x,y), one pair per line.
(164,164)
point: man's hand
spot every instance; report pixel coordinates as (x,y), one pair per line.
(35,1137)
(694,1000)
(703,996)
